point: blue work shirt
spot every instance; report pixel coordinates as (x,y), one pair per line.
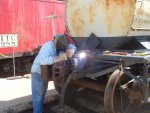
(46,56)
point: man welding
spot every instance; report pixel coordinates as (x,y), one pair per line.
(48,55)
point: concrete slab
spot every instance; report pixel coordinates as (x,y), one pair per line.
(15,95)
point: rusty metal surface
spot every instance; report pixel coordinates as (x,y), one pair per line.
(101,17)
(46,72)
(107,18)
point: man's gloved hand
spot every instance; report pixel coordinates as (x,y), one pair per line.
(70,52)
(61,57)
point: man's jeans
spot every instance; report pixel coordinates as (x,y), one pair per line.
(39,88)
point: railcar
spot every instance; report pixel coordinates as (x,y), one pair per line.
(113,56)
(24,26)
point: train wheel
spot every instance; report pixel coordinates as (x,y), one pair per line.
(121,97)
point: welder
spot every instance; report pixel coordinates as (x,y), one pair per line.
(56,50)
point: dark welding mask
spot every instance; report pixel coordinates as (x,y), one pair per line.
(61,43)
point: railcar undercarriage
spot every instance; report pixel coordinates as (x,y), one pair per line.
(127,86)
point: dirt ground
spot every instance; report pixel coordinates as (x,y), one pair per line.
(15,95)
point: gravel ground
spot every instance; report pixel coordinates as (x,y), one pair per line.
(80,103)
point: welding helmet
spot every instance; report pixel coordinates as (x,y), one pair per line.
(61,42)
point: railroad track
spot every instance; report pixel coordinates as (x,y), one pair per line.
(85,101)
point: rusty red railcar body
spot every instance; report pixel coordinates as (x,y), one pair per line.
(26,19)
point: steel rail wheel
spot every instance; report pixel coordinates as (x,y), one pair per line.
(124,95)
(110,90)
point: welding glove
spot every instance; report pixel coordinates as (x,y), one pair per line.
(61,57)
(70,52)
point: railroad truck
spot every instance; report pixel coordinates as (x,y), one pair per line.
(113,56)
(24,26)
